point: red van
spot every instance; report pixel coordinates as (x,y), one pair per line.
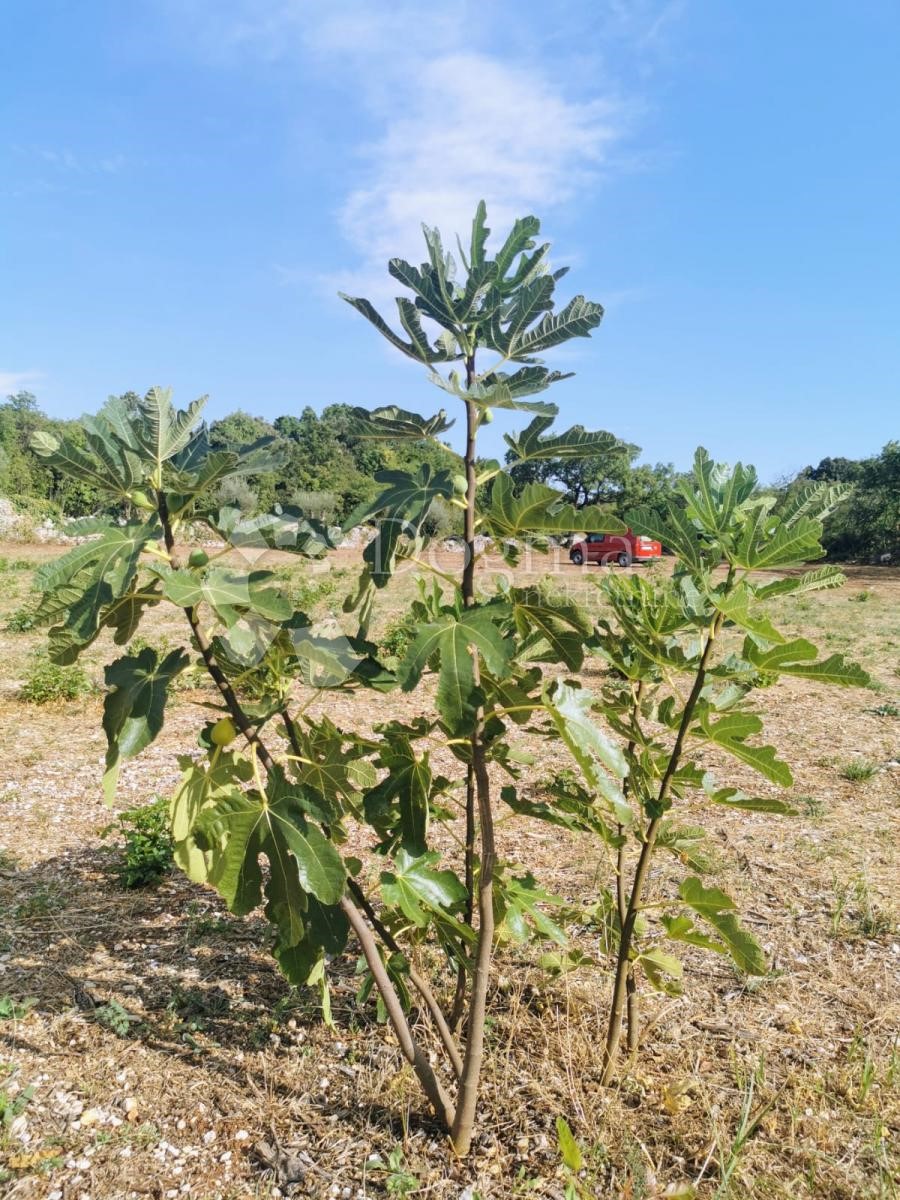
(622,548)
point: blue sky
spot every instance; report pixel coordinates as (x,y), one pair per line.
(185,184)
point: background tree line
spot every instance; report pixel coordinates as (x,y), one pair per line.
(329,471)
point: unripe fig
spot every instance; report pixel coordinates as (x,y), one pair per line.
(487,415)
(141,500)
(223,732)
(198,558)
(460,485)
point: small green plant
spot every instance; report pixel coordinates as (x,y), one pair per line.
(751,1115)
(398,637)
(572,1159)
(194,1004)
(114,1017)
(860,597)
(12,1106)
(311,591)
(15,1010)
(810,806)
(398,1179)
(43,903)
(858,770)
(855,906)
(48,681)
(14,564)
(884,710)
(656,631)
(21,620)
(147,852)
(160,645)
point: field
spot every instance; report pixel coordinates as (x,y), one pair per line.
(148,1044)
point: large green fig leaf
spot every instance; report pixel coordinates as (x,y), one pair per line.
(161,431)
(532,444)
(452,638)
(815,500)
(675,531)
(517,903)
(493,391)
(800,658)
(552,628)
(809,581)
(735,606)
(718,910)
(89,586)
(730,732)
(392,423)
(286,528)
(417,347)
(330,768)
(791,545)
(227,593)
(421,892)
(715,492)
(399,804)
(405,496)
(105,466)
(577,319)
(233,827)
(135,704)
(663,971)
(601,761)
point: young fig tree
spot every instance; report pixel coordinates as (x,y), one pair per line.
(493,314)
(685,655)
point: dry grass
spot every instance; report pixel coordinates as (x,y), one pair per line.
(787,1086)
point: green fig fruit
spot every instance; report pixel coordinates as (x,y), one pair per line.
(223,732)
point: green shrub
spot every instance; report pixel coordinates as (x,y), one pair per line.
(114,1017)
(47,681)
(42,903)
(13,564)
(398,636)
(147,844)
(310,591)
(860,770)
(22,620)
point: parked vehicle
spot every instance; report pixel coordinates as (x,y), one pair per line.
(622,548)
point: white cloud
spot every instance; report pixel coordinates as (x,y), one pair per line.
(478,128)
(15,381)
